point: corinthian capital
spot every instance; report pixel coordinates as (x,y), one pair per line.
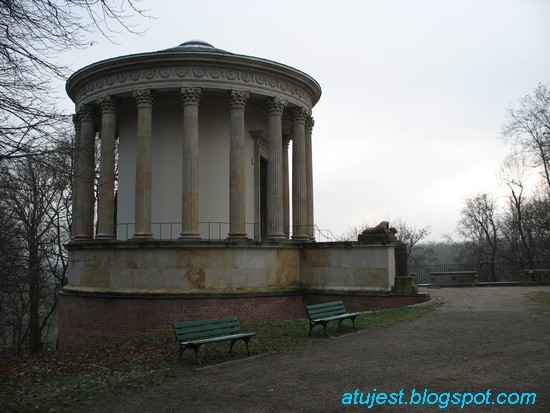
(237,98)
(107,104)
(76,121)
(191,95)
(144,97)
(299,114)
(275,105)
(309,124)
(86,113)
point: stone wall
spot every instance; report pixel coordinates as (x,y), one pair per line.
(176,268)
(116,289)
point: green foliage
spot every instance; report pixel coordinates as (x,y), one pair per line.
(55,380)
(544,298)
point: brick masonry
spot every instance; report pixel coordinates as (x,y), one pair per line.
(85,319)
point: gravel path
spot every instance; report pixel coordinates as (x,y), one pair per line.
(481,339)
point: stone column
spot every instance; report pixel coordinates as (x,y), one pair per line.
(144,99)
(85,168)
(309,179)
(237,201)
(190,183)
(106,207)
(275,169)
(286,190)
(76,181)
(299,190)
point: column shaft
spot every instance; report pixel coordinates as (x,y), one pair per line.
(275,170)
(237,201)
(299,190)
(144,99)
(286,190)
(76,181)
(84,218)
(106,217)
(190,183)
(309,179)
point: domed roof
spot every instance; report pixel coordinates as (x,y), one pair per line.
(193,62)
(195,43)
(194,46)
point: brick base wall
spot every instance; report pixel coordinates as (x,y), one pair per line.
(87,319)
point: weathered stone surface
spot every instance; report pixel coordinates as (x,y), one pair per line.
(172,268)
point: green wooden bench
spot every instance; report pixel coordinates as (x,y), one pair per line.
(193,334)
(323,313)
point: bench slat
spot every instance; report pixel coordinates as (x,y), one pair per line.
(217,339)
(336,317)
(205,322)
(189,335)
(325,305)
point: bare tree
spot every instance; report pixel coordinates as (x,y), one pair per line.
(411,236)
(35,198)
(480,228)
(513,173)
(33,35)
(528,127)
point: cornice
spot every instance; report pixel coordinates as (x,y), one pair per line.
(227,72)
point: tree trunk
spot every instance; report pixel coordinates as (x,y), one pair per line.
(35,342)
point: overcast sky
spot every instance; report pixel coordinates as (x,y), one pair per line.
(414,91)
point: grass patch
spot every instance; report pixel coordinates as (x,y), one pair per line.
(544,298)
(54,381)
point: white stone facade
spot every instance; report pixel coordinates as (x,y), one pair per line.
(208,144)
(190,122)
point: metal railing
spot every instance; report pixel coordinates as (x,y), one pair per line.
(209,231)
(503,272)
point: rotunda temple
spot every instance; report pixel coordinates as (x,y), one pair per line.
(194,216)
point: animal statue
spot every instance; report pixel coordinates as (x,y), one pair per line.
(382,228)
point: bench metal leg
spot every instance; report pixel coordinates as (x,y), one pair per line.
(197,354)
(352,320)
(195,349)
(325,327)
(245,339)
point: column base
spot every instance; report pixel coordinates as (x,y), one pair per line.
(238,238)
(82,238)
(105,236)
(275,237)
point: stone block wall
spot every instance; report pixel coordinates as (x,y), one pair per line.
(118,289)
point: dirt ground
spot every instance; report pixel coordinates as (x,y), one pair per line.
(484,339)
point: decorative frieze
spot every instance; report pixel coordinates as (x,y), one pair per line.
(168,76)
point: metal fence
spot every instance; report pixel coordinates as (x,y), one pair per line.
(208,231)
(503,272)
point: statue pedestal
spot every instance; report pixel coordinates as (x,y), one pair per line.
(365,239)
(405,285)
